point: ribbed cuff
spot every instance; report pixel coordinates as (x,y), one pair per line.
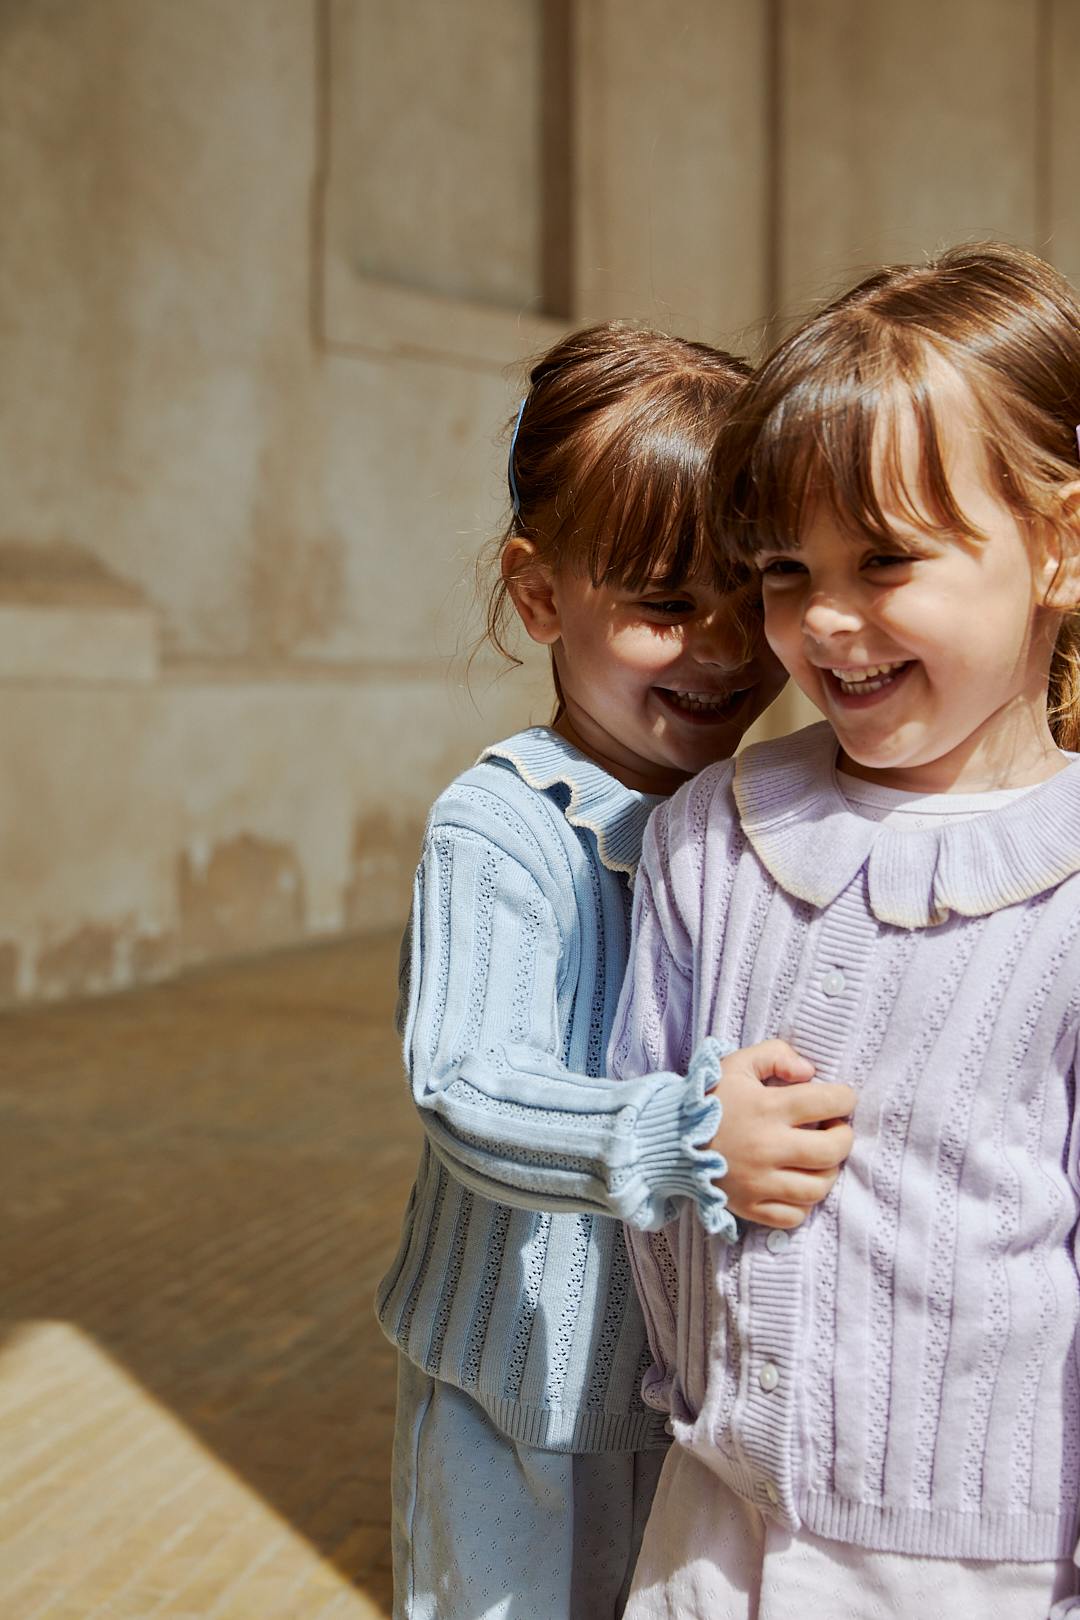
(675,1132)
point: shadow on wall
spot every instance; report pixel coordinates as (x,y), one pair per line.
(208,1178)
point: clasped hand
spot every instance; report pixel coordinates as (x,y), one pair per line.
(784,1140)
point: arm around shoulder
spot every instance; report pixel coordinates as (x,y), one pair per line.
(494,955)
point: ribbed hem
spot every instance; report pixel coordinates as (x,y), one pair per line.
(556,1428)
(1027,1538)
(675,1132)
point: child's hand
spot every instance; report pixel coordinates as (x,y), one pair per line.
(777,1169)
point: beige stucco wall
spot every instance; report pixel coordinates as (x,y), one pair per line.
(243,482)
(297,523)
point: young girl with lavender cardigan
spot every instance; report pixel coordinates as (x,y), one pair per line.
(879,1413)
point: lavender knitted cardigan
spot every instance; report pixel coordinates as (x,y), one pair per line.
(902,1373)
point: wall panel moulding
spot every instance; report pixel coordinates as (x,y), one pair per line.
(445,205)
(65,617)
(905,128)
(1060,135)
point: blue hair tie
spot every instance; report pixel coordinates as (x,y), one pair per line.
(515,496)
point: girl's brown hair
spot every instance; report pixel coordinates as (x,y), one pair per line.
(820,419)
(610,457)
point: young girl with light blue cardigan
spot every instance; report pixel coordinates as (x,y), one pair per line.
(525,1458)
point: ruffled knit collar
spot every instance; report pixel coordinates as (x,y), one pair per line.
(614,814)
(813,844)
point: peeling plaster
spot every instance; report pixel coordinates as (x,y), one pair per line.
(247,895)
(241,895)
(84,960)
(384,856)
(153,957)
(9,974)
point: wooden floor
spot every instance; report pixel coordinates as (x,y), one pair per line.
(201,1185)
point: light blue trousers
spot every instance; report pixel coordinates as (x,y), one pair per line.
(487,1529)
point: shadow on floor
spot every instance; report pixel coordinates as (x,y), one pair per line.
(208,1178)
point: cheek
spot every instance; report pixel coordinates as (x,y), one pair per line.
(937,631)
(783,627)
(647,652)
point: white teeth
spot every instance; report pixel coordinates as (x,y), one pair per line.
(698,702)
(869,679)
(852,677)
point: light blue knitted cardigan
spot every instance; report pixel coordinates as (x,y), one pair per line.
(512,1280)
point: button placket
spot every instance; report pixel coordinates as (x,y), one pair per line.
(823,1019)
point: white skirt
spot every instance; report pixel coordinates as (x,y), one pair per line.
(709,1555)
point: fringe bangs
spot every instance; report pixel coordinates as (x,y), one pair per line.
(635,515)
(840,438)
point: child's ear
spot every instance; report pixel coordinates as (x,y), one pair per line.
(1062,567)
(532,590)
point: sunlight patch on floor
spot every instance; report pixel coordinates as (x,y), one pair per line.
(109,1507)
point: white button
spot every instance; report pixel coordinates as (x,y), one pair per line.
(669,1427)
(777,1241)
(769,1376)
(833,983)
(772,1493)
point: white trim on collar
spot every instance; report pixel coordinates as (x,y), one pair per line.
(614,814)
(813,844)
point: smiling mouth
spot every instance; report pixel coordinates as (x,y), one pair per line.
(704,706)
(867,681)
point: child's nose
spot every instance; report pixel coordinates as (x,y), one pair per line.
(720,641)
(831,613)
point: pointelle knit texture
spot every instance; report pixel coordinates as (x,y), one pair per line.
(901,1373)
(512,1280)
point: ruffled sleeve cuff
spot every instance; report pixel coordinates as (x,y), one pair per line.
(675,1158)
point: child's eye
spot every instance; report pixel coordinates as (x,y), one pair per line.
(669,607)
(889,559)
(780,567)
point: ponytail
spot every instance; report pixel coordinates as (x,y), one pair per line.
(1064,696)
